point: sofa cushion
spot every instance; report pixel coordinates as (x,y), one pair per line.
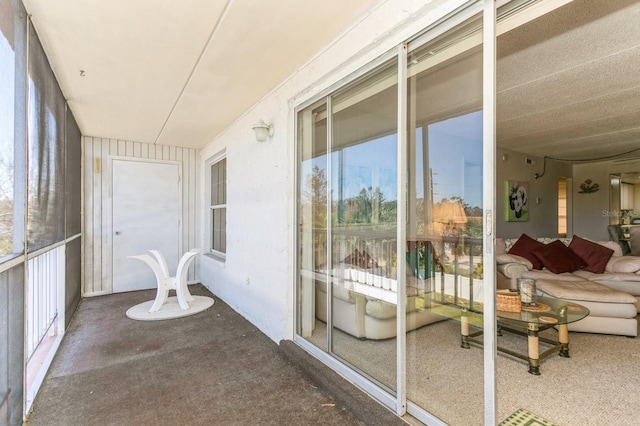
(343,294)
(524,247)
(617,249)
(380,309)
(504,258)
(606,277)
(583,290)
(595,255)
(558,258)
(385,310)
(545,274)
(629,264)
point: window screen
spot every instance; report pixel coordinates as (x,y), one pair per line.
(218,207)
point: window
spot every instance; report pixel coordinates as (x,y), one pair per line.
(562,207)
(218,207)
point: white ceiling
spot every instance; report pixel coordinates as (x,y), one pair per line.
(178,73)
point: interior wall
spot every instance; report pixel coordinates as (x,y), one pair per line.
(257,276)
(542,197)
(97,203)
(592,210)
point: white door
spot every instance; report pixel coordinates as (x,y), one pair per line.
(146,209)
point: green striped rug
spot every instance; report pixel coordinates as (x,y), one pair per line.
(523,417)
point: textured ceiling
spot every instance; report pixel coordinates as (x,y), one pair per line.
(178,73)
(568,82)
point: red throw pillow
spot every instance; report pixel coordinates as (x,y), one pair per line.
(524,247)
(595,255)
(559,258)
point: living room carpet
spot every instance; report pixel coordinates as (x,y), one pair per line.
(523,417)
(598,385)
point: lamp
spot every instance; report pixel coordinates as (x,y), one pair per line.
(262,130)
(449,213)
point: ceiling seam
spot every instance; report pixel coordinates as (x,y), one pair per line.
(571,68)
(214,31)
(579,102)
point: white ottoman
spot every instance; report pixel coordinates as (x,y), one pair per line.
(611,311)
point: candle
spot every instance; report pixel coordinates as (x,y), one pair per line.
(527,289)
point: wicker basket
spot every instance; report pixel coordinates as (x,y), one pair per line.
(508,301)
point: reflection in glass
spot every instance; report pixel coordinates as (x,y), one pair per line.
(363,166)
(444,230)
(348,258)
(312,234)
(347,179)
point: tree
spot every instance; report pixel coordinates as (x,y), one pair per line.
(314,196)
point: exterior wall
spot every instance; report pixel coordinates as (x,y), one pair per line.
(543,215)
(96,271)
(257,277)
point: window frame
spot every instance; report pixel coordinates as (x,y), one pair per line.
(209,164)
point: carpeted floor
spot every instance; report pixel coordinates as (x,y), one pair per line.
(597,386)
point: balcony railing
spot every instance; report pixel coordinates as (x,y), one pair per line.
(45,280)
(44,313)
(450,267)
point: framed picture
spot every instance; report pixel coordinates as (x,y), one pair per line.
(517,201)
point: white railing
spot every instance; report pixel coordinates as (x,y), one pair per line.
(365,262)
(45,284)
(44,328)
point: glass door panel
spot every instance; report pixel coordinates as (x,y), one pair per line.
(363,193)
(444,231)
(312,232)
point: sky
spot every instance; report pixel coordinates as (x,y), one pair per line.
(455,152)
(455,156)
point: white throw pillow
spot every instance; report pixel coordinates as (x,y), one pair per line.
(504,258)
(617,250)
(623,264)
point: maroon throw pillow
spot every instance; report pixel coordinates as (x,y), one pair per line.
(595,255)
(524,247)
(559,258)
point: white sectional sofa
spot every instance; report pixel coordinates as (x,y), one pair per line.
(368,317)
(607,283)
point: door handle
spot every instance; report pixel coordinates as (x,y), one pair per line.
(117,232)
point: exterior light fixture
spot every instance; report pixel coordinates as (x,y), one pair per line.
(262,130)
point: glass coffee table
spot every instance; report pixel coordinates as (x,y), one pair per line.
(548,313)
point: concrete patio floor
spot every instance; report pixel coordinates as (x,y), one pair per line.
(211,368)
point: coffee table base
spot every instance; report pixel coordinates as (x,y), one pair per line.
(533,356)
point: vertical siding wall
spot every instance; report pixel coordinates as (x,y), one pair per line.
(97,203)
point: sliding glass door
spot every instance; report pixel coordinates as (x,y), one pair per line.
(313,169)
(444,228)
(347,293)
(363,224)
